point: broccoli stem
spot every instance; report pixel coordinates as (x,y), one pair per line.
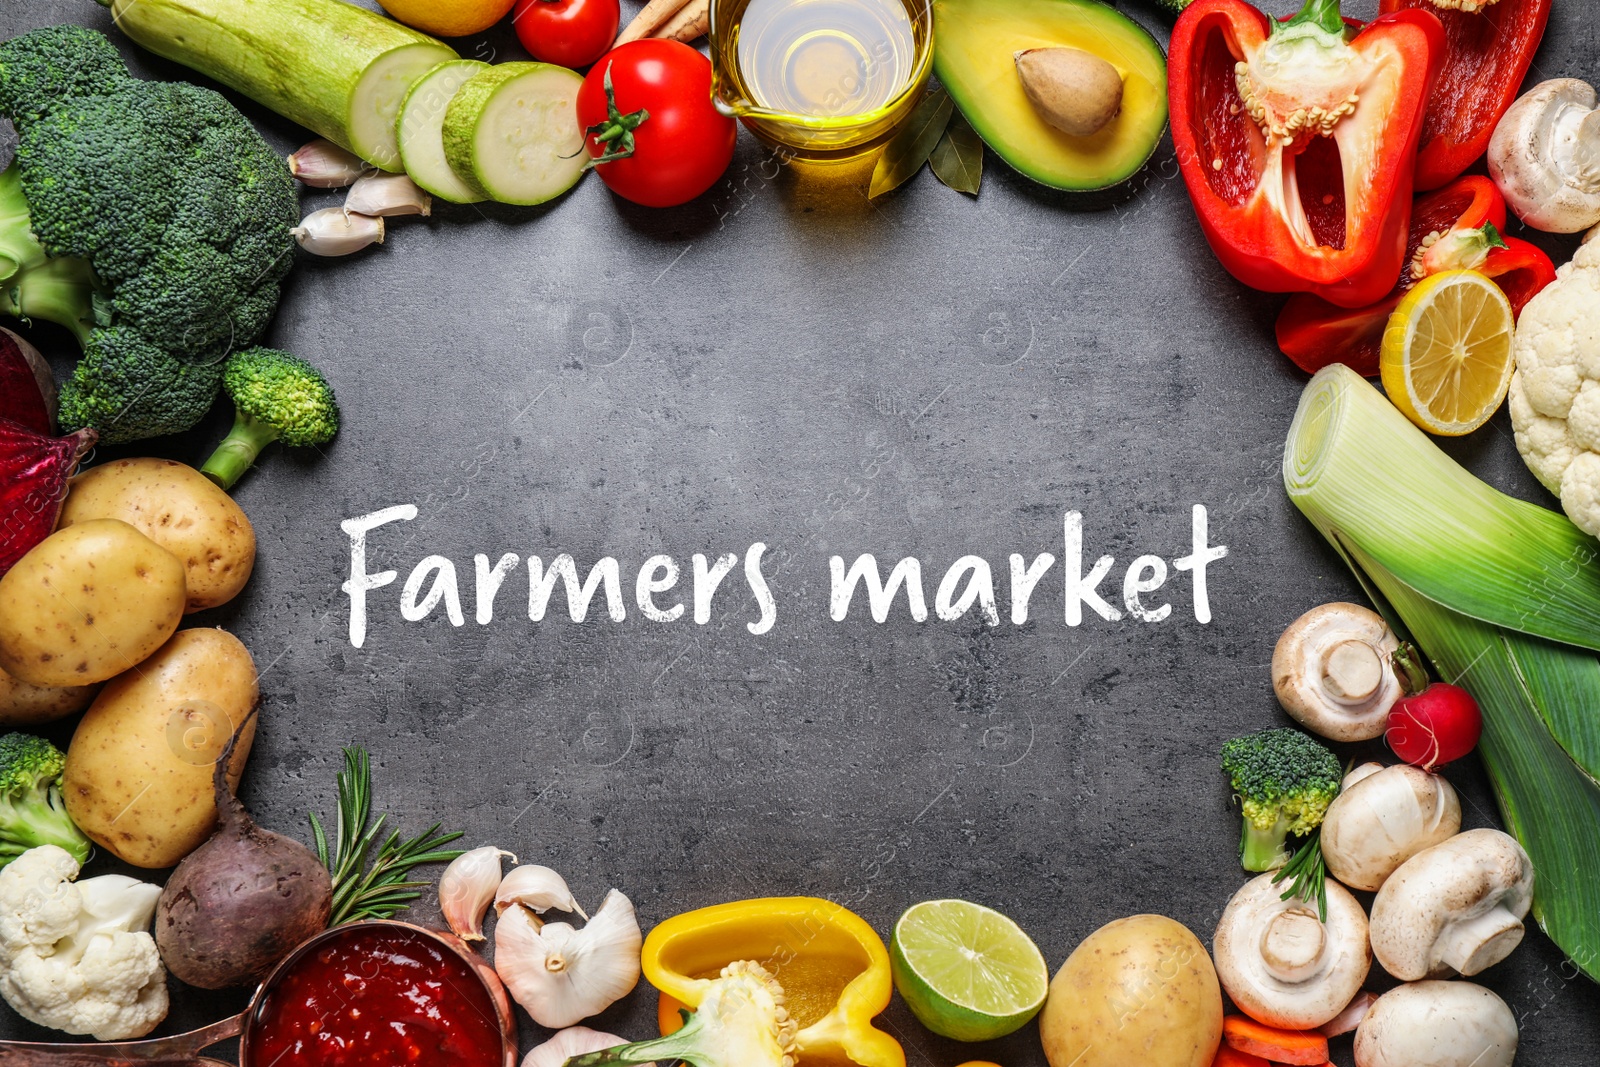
(1264,850)
(239,450)
(35,819)
(32,285)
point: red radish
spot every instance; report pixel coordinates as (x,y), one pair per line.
(33,484)
(1435,723)
(27,390)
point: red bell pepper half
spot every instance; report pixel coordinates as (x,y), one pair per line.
(1489,45)
(1454,228)
(1298,139)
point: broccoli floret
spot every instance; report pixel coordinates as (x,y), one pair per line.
(32,812)
(145,205)
(128,389)
(276,397)
(1285,781)
(741,1022)
(39,69)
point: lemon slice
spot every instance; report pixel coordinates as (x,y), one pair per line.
(966,971)
(1446,359)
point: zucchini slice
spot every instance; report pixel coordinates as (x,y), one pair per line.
(512,132)
(421,130)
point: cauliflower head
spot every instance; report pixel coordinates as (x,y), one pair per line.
(1555,392)
(77,956)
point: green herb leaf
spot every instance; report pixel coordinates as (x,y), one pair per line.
(1308,875)
(910,148)
(957,159)
(381,890)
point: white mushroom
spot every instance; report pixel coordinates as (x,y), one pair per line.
(1545,156)
(1437,1024)
(1334,672)
(1455,908)
(1282,965)
(1382,817)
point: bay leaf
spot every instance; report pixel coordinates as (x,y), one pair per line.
(913,143)
(957,159)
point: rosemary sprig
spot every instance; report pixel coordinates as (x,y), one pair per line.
(379,889)
(1309,875)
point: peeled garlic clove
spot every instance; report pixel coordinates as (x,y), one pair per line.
(336,232)
(466,888)
(561,975)
(573,1041)
(385,195)
(538,888)
(324,165)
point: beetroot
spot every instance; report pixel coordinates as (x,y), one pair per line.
(27,389)
(242,901)
(34,470)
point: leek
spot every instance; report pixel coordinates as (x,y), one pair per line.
(1504,598)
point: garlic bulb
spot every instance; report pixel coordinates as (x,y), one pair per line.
(573,1041)
(466,888)
(561,975)
(538,888)
(336,232)
(383,195)
(324,165)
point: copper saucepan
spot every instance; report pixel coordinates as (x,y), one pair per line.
(185,1049)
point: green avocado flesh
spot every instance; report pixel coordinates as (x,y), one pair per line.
(976,42)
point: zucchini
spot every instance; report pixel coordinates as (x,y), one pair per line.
(512,132)
(421,130)
(334,68)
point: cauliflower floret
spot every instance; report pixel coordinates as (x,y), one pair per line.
(1555,393)
(77,956)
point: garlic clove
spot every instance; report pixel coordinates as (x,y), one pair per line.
(466,888)
(538,888)
(561,975)
(573,1041)
(385,195)
(324,165)
(336,232)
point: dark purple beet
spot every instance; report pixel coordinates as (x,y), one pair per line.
(34,472)
(240,902)
(27,390)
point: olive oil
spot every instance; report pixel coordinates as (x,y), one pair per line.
(842,72)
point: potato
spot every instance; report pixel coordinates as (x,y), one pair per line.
(179,509)
(1137,991)
(138,777)
(87,603)
(24,705)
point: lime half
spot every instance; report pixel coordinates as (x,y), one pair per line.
(966,971)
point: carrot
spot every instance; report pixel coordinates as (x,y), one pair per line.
(1300,1047)
(1228,1056)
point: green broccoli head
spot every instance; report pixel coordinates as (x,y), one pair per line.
(276,397)
(1285,781)
(42,68)
(129,389)
(31,809)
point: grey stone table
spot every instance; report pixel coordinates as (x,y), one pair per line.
(784,362)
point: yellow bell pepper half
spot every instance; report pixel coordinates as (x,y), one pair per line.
(833,968)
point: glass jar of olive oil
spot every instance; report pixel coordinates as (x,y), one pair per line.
(824,80)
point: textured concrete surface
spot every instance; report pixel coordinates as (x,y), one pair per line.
(784,362)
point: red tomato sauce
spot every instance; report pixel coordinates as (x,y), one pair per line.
(377,997)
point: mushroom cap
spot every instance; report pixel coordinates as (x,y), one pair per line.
(1545,156)
(1383,817)
(1281,965)
(1333,672)
(1455,908)
(1437,1024)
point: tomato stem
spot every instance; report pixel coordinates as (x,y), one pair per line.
(616,131)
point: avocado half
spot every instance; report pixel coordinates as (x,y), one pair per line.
(975,47)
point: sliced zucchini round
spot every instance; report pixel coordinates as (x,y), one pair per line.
(421,130)
(512,134)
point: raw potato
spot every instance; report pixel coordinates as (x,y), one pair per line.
(1137,991)
(179,509)
(23,705)
(87,603)
(138,777)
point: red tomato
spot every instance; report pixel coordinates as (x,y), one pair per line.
(666,141)
(1438,725)
(571,33)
